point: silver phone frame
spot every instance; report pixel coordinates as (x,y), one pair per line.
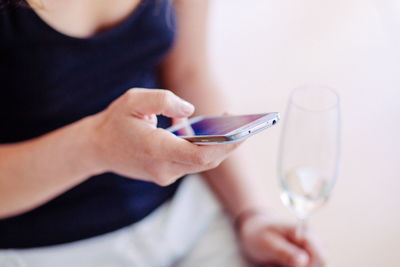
(267,120)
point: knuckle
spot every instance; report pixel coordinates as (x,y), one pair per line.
(200,158)
(165,97)
(130,93)
(129,96)
(286,259)
(214,164)
(298,259)
(167,93)
(162,182)
(162,177)
(284,256)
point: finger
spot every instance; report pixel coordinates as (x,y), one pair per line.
(286,253)
(312,246)
(186,129)
(203,156)
(168,172)
(151,119)
(211,153)
(317,258)
(157,101)
(183,151)
(176,121)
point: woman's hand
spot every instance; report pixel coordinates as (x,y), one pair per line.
(125,139)
(275,244)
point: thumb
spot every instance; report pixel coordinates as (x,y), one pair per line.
(185,129)
(157,101)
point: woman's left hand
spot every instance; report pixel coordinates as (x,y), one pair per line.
(276,244)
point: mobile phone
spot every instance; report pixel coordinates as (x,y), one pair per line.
(210,130)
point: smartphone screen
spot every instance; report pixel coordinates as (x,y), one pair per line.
(216,125)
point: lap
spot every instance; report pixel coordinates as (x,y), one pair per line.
(190,230)
(218,246)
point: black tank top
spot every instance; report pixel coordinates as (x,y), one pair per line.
(48,80)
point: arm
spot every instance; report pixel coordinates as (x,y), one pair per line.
(35,171)
(186,72)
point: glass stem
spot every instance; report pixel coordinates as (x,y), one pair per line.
(301,228)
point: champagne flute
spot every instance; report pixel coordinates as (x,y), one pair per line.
(309,150)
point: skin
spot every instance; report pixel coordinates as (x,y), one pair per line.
(45,167)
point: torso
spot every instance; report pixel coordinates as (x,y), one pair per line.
(83,18)
(52,76)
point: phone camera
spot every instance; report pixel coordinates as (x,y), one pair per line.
(273,122)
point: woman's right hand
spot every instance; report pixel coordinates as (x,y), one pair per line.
(125,140)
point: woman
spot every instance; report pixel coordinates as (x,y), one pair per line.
(81,160)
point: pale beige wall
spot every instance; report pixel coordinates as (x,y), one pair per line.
(261,49)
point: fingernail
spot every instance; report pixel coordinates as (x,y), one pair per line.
(302,260)
(187,108)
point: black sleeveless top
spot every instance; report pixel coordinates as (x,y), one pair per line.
(48,80)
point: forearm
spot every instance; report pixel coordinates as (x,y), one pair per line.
(236,190)
(186,72)
(35,171)
(229,181)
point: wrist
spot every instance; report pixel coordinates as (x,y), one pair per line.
(87,146)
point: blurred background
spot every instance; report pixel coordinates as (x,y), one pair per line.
(261,49)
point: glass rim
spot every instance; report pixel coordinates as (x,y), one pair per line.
(325,87)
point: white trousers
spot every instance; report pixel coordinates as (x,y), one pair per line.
(190,230)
